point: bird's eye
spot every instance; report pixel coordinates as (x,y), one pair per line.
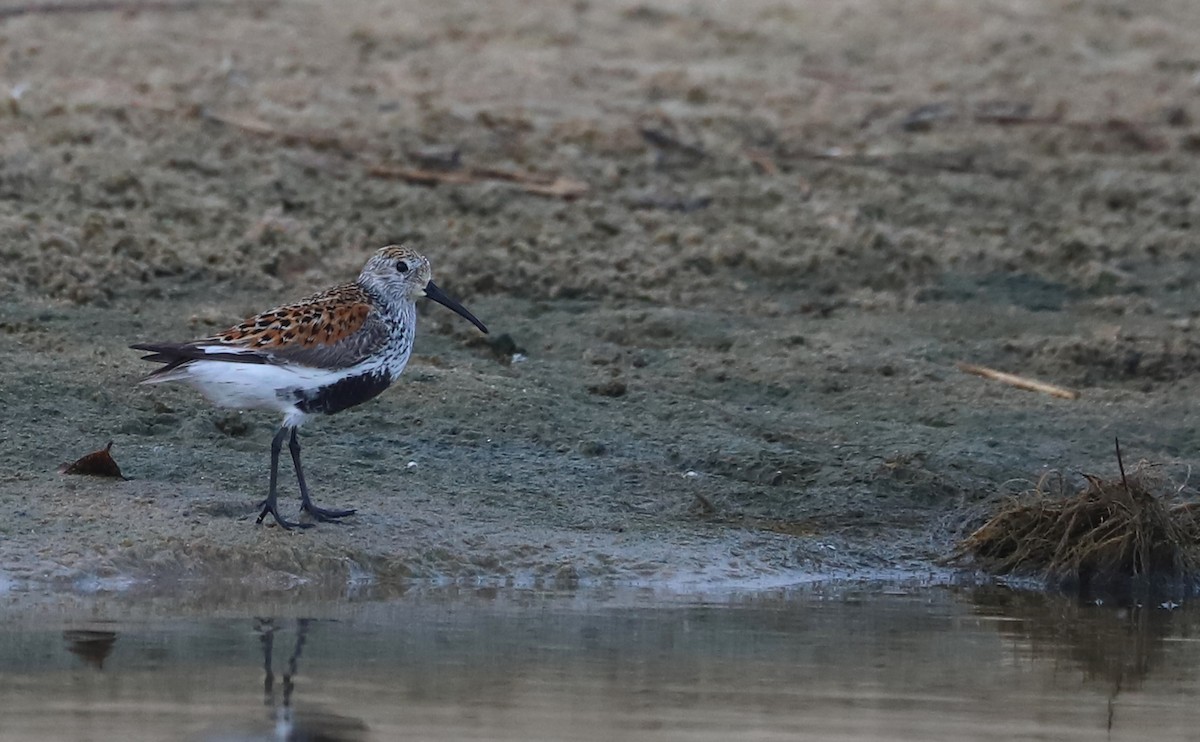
(401,267)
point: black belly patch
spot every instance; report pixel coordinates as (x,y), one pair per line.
(339,395)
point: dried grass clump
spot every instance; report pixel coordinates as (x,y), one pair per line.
(1110,532)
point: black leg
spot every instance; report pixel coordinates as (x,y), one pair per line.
(270,505)
(306,503)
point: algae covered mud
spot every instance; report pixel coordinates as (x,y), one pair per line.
(730,257)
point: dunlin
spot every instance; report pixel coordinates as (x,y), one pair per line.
(320,355)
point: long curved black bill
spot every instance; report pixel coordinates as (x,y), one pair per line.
(433,292)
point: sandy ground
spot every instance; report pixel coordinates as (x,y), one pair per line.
(736,349)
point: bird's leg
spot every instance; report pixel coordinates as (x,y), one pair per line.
(270,505)
(306,503)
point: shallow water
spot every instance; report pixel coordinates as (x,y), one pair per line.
(843,663)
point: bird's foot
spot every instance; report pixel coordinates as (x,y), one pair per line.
(270,507)
(323,515)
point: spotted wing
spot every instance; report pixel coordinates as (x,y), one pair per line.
(335,329)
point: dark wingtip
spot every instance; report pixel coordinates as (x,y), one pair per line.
(157,347)
(158,353)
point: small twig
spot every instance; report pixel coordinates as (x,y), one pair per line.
(541,185)
(315,139)
(1121,466)
(421,177)
(512,176)
(1020,382)
(245,123)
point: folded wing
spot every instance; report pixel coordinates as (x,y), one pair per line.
(335,329)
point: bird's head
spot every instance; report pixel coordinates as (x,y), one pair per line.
(403,275)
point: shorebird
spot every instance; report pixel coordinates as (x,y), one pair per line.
(320,355)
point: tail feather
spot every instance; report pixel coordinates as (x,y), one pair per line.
(175,358)
(171,356)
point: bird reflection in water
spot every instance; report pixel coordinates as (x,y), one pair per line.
(291,726)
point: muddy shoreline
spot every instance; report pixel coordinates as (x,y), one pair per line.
(736,349)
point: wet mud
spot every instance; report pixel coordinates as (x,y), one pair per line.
(731,358)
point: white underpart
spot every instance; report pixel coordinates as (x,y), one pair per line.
(257,386)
